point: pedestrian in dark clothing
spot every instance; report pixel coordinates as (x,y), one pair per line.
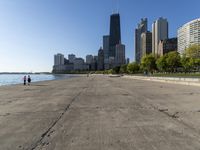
(29,80)
(24,80)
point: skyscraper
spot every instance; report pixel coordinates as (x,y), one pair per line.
(59,63)
(146,43)
(59,59)
(159,32)
(100,63)
(94,63)
(142,27)
(120,55)
(106,51)
(115,33)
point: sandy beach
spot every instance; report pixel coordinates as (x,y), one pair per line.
(99,113)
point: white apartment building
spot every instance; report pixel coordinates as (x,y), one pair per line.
(59,59)
(159,32)
(188,34)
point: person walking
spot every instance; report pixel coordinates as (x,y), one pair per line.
(29,79)
(24,80)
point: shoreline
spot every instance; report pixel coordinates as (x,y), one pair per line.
(68,76)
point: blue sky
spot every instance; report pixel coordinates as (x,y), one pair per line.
(32,31)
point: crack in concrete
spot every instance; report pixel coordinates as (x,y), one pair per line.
(39,141)
(4,115)
(174,115)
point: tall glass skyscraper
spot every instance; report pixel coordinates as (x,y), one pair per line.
(159,32)
(142,28)
(115,33)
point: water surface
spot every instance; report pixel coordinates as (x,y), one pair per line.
(9,79)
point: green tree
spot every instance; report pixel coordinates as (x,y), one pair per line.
(148,63)
(109,71)
(187,63)
(173,61)
(196,64)
(123,69)
(115,70)
(133,68)
(162,64)
(193,51)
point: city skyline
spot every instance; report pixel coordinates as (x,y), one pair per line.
(32,32)
(111,55)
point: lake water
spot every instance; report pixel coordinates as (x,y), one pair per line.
(9,79)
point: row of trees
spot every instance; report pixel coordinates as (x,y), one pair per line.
(171,62)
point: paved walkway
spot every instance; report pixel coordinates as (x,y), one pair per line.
(100,113)
(174,80)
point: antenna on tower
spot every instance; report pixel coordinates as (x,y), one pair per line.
(115,5)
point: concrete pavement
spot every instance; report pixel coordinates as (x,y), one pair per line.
(174,80)
(100,113)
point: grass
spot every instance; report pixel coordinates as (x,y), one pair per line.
(185,75)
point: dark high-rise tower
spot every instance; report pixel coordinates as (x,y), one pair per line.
(100,64)
(115,33)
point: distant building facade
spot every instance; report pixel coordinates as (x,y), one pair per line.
(94,63)
(79,64)
(142,27)
(59,59)
(159,32)
(59,62)
(100,63)
(111,62)
(127,60)
(66,61)
(166,46)
(106,51)
(58,68)
(188,34)
(71,58)
(89,59)
(146,43)
(120,55)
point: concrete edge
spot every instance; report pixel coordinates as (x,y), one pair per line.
(181,81)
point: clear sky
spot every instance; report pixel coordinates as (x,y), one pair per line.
(32,31)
